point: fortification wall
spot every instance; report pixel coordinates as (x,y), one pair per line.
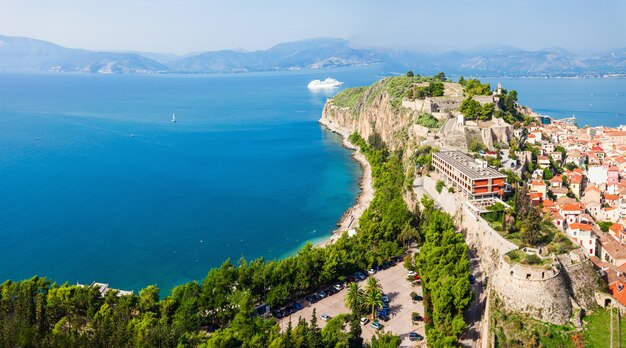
(484,241)
(581,277)
(419,105)
(538,291)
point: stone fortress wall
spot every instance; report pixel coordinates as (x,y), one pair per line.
(548,293)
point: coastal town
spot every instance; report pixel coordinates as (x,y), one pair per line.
(580,183)
(540,202)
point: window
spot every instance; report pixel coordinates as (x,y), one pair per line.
(590,251)
(590,241)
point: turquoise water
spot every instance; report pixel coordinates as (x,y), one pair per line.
(594,102)
(98,184)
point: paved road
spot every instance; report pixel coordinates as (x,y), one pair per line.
(474,314)
(396,286)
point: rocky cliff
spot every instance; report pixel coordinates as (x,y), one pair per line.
(383,109)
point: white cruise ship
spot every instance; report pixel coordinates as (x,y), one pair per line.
(328,83)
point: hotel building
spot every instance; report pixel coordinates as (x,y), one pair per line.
(468,175)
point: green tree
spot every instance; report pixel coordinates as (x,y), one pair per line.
(409,73)
(470,108)
(385,340)
(354,297)
(547,174)
(314,338)
(605,225)
(441,76)
(439,185)
(373,300)
(474,87)
(486,111)
(354,336)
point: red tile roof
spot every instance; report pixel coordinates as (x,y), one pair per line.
(579,226)
(617,228)
(618,291)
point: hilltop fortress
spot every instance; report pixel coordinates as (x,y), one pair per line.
(552,292)
(374,110)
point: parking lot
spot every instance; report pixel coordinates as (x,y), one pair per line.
(395,285)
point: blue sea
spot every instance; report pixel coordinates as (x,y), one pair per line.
(594,102)
(97,184)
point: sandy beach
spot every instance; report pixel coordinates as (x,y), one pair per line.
(350,218)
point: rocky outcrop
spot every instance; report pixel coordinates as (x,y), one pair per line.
(373,114)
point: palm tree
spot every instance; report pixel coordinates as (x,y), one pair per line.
(374,299)
(373,285)
(354,297)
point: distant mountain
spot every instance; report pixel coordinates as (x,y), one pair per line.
(24,54)
(19,54)
(312,53)
(509,61)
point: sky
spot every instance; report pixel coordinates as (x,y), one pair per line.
(186,26)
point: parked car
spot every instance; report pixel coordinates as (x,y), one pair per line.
(322,294)
(297,306)
(371,271)
(384,317)
(364,321)
(338,287)
(330,291)
(411,273)
(359,275)
(416,298)
(414,336)
(416,318)
(472,279)
(376,325)
(385,298)
(325,317)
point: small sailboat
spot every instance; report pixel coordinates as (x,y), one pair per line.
(173,118)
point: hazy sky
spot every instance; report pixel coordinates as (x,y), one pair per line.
(198,25)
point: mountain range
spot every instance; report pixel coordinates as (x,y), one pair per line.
(18,54)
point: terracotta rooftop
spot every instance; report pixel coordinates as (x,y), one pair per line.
(572,207)
(616,228)
(579,226)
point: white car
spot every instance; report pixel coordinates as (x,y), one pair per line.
(371,271)
(325,317)
(411,273)
(364,321)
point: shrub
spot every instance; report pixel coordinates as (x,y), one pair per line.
(532,260)
(429,121)
(439,186)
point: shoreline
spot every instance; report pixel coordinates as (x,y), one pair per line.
(351,216)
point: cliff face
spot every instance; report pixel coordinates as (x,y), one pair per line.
(375,114)
(377,110)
